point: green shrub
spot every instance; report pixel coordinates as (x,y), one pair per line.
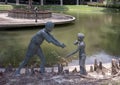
(6,7)
(12,55)
(19,6)
(109,5)
(96,4)
(55,8)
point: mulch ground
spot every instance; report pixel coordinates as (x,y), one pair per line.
(54,79)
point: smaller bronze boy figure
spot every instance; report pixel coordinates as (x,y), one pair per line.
(81,50)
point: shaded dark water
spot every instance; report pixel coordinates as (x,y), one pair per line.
(102,34)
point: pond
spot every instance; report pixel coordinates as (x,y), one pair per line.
(102,35)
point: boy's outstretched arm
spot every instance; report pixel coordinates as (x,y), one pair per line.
(49,38)
(63,45)
(72,53)
(53,38)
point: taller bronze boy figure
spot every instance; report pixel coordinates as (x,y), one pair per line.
(34,46)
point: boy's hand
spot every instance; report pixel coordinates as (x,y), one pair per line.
(63,45)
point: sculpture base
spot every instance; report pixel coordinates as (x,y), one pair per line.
(29,14)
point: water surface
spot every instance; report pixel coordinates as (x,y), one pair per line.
(102,34)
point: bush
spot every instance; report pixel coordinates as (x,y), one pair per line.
(96,4)
(55,8)
(20,6)
(5,7)
(109,5)
(12,55)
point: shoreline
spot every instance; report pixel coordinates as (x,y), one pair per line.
(8,22)
(70,68)
(53,78)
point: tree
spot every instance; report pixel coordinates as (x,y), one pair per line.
(77,2)
(114,2)
(6,1)
(81,1)
(41,2)
(17,2)
(30,4)
(61,2)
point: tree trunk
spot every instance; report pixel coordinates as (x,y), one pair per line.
(91,69)
(81,1)
(41,2)
(17,2)
(95,65)
(30,4)
(60,68)
(119,63)
(100,65)
(90,0)
(6,1)
(114,2)
(61,2)
(77,2)
(114,67)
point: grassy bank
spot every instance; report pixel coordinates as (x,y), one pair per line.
(58,8)
(85,8)
(6,7)
(91,9)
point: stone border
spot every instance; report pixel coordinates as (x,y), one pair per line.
(8,22)
(29,14)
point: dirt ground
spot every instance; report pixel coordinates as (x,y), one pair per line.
(69,76)
(58,79)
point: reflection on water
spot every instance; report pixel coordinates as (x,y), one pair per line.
(101,31)
(101,56)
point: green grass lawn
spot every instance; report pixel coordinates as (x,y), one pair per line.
(85,8)
(72,8)
(69,8)
(6,7)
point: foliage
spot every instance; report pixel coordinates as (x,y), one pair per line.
(85,9)
(13,54)
(20,6)
(110,7)
(52,54)
(6,7)
(96,4)
(108,4)
(91,7)
(55,8)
